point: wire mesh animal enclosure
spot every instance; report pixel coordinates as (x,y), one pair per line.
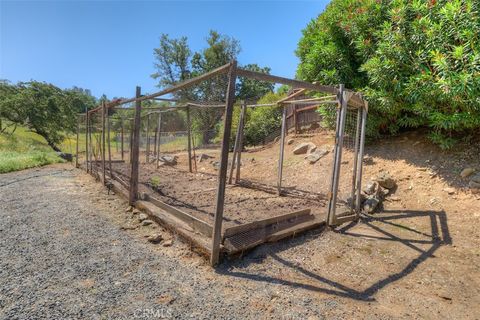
(179,159)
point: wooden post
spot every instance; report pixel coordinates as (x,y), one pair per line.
(103,142)
(78,138)
(189,144)
(131,138)
(295,118)
(235,150)
(147,148)
(155,143)
(159,135)
(282,150)
(90,142)
(240,149)
(360,159)
(355,159)
(121,133)
(135,150)
(87,125)
(108,144)
(222,175)
(332,206)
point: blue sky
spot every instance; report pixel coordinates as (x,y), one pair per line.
(107,46)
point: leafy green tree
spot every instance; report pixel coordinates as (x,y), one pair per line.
(417,61)
(44,108)
(250,89)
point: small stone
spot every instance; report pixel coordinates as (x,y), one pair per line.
(136,211)
(474,185)
(467,172)
(169,160)
(203,156)
(142,217)
(370,187)
(394,198)
(312,149)
(290,141)
(129,209)
(476,178)
(155,238)
(168,243)
(386,180)
(147,222)
(370,204)
(303,147)
(449,190)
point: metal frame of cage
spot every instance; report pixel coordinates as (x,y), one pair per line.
(345,100)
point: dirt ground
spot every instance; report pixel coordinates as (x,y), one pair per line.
(418,258)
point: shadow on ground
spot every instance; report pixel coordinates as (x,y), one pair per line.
(439,236)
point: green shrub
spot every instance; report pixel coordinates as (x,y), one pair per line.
(418,62)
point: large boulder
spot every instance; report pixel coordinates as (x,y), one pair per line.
(303,147)
(316,155)
(169,160)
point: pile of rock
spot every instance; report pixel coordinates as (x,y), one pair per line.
(376,190)
(310,149)
(474,179)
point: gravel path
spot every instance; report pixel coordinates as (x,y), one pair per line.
(62,257)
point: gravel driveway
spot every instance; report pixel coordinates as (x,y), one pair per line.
(69,250)
(62,257)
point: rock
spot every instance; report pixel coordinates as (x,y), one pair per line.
(370,204)
(142,217)
(371,187)
(368,160)
(394,198)
(474,185)
(216,165)
(290,141)
(449,190)
(203,156)
(129,209)
(136,211)
(168,243)
(315,156)
(467,172)
(303,147)
(155,238)
(169,160)
(147,222)
(385,180)
(476,178)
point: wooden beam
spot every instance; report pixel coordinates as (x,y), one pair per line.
(87,128)
(147,148)
(78,136)
(159,133)
(189,142)
(291,82)
(235,150)
(196,224)
(282,150)
(135,150)
(122,137)
(264,222)
(222,175)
